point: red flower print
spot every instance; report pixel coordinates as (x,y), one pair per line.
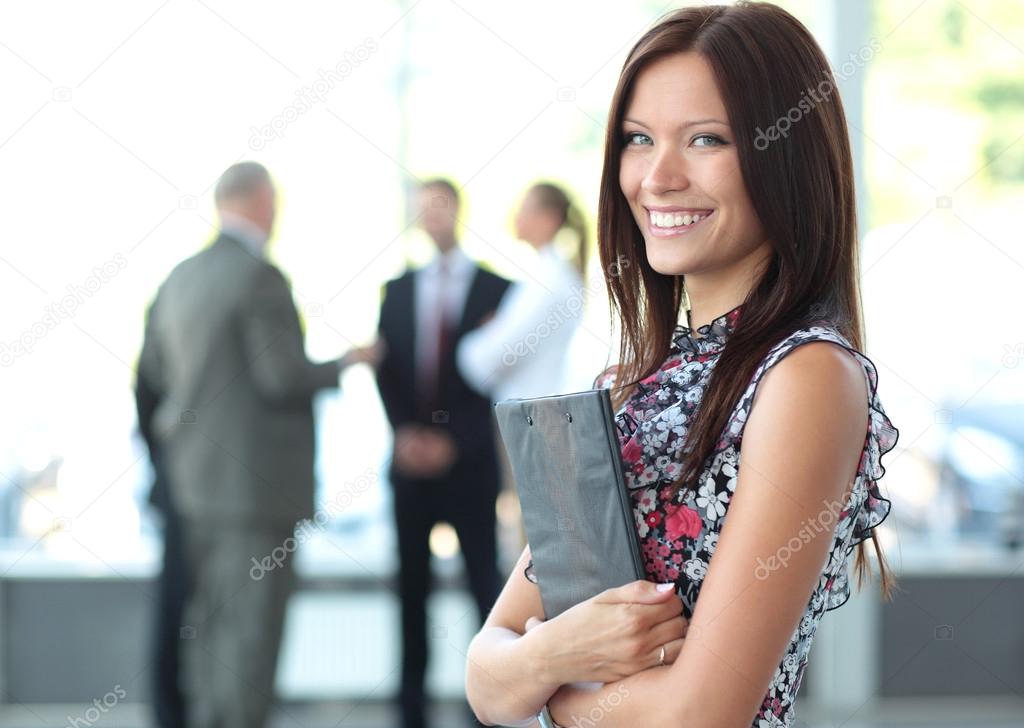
(631,452)
(682,521)
(653,519)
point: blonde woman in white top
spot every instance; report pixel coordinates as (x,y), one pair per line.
(522,351)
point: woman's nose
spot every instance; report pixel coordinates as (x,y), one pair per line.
(667,172)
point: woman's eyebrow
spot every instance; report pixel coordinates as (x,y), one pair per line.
(682,126)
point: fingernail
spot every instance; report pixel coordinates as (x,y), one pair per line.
(669,586)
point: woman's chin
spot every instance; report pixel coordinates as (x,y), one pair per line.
(667,262)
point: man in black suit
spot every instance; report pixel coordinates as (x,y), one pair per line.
(444,465)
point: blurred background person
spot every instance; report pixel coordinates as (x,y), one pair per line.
(523,350)
(224,351)
(168,700)
(444,465)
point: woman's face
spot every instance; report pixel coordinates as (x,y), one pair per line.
(680,172)
(534,223)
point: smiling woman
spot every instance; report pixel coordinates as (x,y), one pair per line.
(758,245)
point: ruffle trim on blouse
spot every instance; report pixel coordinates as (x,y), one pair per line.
(881,440)
(874,508)
(713,335)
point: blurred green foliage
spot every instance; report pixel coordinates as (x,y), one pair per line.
(944,103)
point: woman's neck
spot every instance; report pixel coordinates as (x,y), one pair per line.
(716,293)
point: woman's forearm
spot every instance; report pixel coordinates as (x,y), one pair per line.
(645,698)
(506,677)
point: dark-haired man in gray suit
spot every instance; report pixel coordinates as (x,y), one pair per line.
(224,348)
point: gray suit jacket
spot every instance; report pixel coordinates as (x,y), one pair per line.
(224,349)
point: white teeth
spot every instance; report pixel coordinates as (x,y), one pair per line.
(670,219)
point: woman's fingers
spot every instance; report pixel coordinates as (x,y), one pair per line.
(669,609)
(672,651)
(638,592)
(669,635)
(668,631)
(652,614)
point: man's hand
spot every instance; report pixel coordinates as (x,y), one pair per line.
(408,450)
(439,451)
(423,452)
(371,355)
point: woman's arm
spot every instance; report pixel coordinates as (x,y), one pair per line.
(504,679)
(802,442)
(510,675)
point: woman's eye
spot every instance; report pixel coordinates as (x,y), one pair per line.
(629,136)
(709,140)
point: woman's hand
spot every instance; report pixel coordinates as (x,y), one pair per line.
(613,635)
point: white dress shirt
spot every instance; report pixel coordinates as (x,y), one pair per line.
(426,286)
(522,351)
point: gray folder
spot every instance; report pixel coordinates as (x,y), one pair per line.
(578,516)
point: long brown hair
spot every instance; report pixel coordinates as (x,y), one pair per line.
(767,67)
(552,197)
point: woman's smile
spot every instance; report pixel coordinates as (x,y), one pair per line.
(672,222)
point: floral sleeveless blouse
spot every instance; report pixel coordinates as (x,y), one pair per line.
(678,535)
